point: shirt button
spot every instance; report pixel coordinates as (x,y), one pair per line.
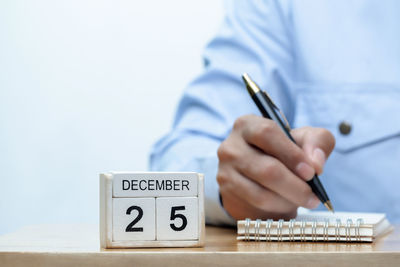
(345,128)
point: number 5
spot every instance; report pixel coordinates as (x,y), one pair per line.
(180,216)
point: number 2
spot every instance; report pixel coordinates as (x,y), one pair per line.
(130,227)
(180,216)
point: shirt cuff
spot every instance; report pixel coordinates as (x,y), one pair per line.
(215,212)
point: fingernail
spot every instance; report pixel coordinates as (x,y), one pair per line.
(319,156)
(305,171)
(313,202)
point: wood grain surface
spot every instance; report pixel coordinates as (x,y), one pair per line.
(78,245)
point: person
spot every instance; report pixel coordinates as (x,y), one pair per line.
(333,68)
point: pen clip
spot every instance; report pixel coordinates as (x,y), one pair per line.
(285,121)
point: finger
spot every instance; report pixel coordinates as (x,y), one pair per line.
(271,174)
(268,136)
(317,143)
(255,195)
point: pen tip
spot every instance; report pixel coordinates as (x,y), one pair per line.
(329,206)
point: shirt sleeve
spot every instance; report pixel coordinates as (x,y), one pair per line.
(254,38)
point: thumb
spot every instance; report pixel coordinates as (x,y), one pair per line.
(317,143)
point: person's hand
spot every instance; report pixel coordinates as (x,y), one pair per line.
(262,173)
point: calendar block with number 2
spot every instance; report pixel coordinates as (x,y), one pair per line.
(151,209)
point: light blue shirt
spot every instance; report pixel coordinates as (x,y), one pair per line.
(323,62)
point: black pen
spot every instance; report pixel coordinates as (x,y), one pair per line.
(269,110)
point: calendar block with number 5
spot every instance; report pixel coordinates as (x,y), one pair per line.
(151,209)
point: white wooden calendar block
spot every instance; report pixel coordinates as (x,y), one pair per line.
(151,209)
(134,219)
(182,213)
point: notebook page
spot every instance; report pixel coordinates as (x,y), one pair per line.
(368,218)
(314,223)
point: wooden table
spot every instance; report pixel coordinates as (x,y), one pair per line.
(78,245)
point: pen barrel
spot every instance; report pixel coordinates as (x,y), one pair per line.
(267,110)
(318,189)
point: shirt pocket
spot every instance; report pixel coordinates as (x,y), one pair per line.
(370,112)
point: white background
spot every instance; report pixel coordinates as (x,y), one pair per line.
(87,87)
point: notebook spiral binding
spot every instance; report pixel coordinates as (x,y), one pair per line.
(314,226)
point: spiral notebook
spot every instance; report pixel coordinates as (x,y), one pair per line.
(317,226)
